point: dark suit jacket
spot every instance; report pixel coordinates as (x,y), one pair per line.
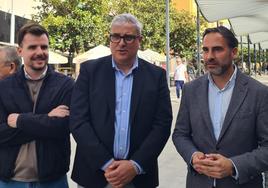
(243,138)
(93,116)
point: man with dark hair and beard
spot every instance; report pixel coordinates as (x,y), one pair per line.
(34,118)
(221,129)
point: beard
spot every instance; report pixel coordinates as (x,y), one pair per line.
(218,70)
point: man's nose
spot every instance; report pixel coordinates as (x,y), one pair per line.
(122,41)
(39,50)
(210,55)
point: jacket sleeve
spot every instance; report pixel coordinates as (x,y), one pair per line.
(81,128)
(182,135)
(11,136)
(156,139)
(43,126)
(251,164)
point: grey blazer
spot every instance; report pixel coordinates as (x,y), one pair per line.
(243,138)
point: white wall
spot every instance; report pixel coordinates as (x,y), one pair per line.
(23,8)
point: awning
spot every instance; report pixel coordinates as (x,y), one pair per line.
(246,17)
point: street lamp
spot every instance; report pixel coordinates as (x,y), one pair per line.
(167,42)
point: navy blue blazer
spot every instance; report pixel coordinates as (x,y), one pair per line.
(93,115)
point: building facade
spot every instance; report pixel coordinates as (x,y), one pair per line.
(14,14)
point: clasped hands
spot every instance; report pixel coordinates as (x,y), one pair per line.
(212,165)
(120,173)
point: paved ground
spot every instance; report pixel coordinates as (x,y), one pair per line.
(172,168)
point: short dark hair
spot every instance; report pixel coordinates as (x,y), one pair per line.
(32,28)
(226,34)
(11,55)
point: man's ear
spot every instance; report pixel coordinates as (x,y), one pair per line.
(19,49)
(13,68)
(235,52)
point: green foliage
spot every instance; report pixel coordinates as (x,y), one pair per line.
(183,33)
(74,25)
(260,55)
(78,25)
(151,13)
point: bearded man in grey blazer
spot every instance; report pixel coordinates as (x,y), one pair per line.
(222,125)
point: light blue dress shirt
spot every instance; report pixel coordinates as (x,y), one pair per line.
(123,89)
(219,100)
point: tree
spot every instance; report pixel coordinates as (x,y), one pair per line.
(74,25)
(151,13)
(78,25)
(183,33)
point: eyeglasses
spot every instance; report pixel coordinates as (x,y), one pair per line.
(116,38)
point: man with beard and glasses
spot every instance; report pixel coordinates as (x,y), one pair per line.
(221,129)
(120,114)
(34,118)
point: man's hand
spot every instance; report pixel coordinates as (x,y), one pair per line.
(215,166)
(120,173)
(12,120)
(60,111)
(197,161)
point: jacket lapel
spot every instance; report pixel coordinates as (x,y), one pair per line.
(202,98)
(137,88)
(109,84)
(238,96)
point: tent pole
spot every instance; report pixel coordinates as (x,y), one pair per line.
(242,54)
(249,71)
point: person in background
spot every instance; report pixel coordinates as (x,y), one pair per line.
(190,71)
(221,129)
(120,114)
(10,62)
(34,118)
(180,75)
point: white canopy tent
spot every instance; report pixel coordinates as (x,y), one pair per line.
(94,53)
(264,45)
(56,58)
(152,56)
(101,51)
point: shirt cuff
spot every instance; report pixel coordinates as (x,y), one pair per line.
(137,167)
(235,174)
(107,164)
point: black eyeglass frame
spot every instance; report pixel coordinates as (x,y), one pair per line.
(129,39)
